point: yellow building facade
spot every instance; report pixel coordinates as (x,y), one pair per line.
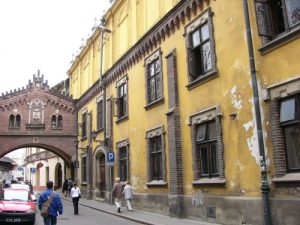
(174,102)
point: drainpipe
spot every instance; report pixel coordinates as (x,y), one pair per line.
(264,179)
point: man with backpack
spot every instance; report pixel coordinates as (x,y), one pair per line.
(50,205)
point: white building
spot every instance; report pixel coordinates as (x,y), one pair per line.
(41,166)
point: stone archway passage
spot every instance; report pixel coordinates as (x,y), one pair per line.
(38,116)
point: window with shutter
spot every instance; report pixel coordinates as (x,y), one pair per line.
(277,17)
(121,100)
(201,57)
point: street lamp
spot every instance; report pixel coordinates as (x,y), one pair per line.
(94,136)
(102,30)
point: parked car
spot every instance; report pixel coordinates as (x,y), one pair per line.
(17,206)
(24,186)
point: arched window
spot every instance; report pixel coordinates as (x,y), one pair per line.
(59,121)
(18,120)
(53,121)
(14,121)
(56,121)
(11,120)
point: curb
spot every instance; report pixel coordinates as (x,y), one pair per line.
(116,214)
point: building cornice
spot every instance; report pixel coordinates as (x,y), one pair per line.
(164,29)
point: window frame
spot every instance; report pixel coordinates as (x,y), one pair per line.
(295,122)
(14,121)
(265,26)
(157,133)
(194,77)
(274,94)
(56,122)
(206,116)
(84,124)
(208,143)
(100,113)
(123,145)
(156,56)
(122,99)
(84,168)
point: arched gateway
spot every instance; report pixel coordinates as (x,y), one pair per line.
(37,116)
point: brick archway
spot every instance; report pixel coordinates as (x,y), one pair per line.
(37,116)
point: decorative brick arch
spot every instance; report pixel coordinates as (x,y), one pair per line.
(37,116)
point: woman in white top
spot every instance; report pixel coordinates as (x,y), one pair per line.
(128,194)
(75,194)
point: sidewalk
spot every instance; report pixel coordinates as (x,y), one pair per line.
(136,215)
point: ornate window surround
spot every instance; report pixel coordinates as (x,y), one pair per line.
(274,94)
(195,119)
(204,17)
(157,55)
(156,132)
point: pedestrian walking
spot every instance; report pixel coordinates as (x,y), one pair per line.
(65,187)
(55,208)
(76,195)
(128,195)
(70,185)
(117,193)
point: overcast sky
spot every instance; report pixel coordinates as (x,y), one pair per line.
(43,35)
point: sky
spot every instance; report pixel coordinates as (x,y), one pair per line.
(43,35)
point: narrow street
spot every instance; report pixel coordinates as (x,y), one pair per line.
(87,216)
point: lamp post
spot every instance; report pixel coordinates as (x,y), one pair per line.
(102,31)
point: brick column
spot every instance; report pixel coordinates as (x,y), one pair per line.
(277,139)
(176,207)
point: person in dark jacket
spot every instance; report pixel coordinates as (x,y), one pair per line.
(117,193)
(56,207)
(65,187)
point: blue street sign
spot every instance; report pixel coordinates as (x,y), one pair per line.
(110,158)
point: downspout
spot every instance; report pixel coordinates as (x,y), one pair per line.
(264,179)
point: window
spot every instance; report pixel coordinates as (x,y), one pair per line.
(156,157)
(123,159)
(56,121)
(154,81)
(290,123)
(122,99)
(100,114)
(276,17)
(84,124)
(207,147)
(200,48)
(123,163)
(14,121)
(84,169)
(154,78)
